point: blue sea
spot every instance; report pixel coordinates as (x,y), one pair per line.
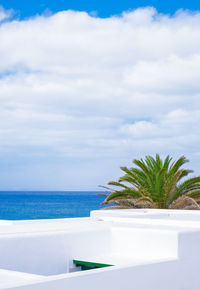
(22,205)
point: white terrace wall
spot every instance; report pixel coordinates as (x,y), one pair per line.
(50,254)
(189,258)
(177,274)
(182,215)
(159,276)
(145,243)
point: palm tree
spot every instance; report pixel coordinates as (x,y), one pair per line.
(155,183)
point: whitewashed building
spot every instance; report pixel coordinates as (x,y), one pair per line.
(111,250)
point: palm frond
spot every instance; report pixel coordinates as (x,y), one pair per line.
(141,165)
(160,180)
(145,199)
(108,189)
(189,182)
(176,165)
(115,183)
(194,194)
(171,186)
(167,162)
(123,193)
(185,202)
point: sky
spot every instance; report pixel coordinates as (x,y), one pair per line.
(101,8)
(86,90)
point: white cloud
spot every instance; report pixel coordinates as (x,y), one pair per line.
(95,93)
(5,14)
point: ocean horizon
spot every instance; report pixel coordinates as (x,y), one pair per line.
(24,205)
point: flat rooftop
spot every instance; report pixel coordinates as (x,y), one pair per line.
(144,218)
(42,252)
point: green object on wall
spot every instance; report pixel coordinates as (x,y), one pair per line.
(85,265)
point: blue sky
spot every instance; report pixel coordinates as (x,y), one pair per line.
(103,8)
(81,96)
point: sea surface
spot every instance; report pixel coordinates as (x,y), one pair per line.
(22,205)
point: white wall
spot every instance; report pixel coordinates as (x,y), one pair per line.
(144,243)
(50,254)
(183,215)
(180,274)
(160,276)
